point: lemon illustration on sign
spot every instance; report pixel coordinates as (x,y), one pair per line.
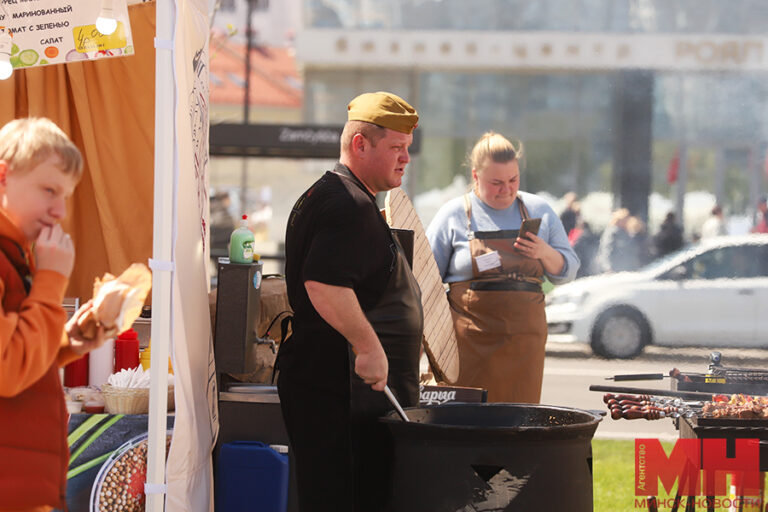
(28,57)
(14,56)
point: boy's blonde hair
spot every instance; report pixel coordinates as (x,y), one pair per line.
(27,142)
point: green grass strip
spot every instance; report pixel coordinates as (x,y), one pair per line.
(614,475)
(95,436)
(84,427)
(88,465)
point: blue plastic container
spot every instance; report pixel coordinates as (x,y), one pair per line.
(251,476)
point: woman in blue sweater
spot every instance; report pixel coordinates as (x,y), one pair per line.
(495,277)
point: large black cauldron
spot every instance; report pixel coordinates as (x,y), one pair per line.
(492,457)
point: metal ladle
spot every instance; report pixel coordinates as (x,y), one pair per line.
(394,401)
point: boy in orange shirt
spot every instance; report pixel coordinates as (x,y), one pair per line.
(39,169)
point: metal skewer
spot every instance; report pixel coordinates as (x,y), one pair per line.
(638,376)
(394,401)
(685,395)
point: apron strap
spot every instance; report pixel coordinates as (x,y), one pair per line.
(525,216)
(285,324)
(468,211)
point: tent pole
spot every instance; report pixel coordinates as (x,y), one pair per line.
(162,254)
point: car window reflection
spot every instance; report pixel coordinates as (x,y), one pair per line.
(727,263)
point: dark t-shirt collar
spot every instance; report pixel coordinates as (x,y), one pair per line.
(343,170)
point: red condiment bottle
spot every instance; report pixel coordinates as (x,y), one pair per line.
(126,350)
(76,373)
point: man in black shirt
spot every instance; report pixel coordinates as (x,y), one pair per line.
(357,315)
(670,236)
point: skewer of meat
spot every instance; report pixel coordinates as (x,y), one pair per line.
(648,407)
(611,399)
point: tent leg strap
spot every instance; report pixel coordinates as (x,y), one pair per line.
(155,488)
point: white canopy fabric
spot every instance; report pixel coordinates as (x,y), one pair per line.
(180,318)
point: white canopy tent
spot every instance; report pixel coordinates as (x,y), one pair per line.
(180,319)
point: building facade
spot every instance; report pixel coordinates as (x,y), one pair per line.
(603,93)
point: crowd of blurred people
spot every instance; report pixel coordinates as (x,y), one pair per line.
(625,243)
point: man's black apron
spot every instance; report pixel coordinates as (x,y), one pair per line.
(397,319)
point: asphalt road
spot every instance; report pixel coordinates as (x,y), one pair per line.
(571,368)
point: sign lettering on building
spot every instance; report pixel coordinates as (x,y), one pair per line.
(530,50)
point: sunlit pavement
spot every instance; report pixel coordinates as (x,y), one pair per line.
(731,356)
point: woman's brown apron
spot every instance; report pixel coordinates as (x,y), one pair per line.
(501,327)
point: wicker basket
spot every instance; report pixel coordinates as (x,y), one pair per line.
(130,400)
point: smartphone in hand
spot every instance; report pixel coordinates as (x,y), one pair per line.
(529,226)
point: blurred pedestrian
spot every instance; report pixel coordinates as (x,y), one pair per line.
(221,221)
(670,236)
(612,254)
(585,247)
(640,249)
(761,225)
(570,215)
(715,223)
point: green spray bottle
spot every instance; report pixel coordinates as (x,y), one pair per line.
(241,243)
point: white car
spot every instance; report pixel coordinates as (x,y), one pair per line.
(712,294)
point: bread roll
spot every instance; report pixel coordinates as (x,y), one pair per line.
(88,324)
(117,302)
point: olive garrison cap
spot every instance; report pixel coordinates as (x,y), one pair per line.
(383,109)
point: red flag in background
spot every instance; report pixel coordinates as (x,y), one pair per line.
(674,167)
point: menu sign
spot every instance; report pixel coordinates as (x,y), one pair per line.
(51,32)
